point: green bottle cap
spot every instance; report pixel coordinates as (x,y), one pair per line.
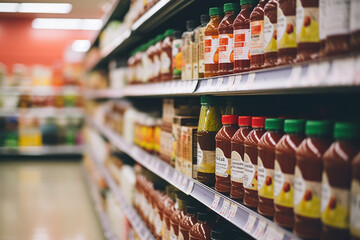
(214,11)
(274,124)
(169,32)
(244,2)
(346,131)
(318,128)
(208,100)
(231,7)
(294,126)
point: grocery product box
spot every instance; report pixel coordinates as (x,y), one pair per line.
(189,151)
(166,143)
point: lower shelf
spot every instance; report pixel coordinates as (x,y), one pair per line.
(61,150)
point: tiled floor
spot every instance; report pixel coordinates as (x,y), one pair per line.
(45,201)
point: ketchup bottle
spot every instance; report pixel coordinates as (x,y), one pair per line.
(257,36)
(212,43)
(308,174)
(226,39)
(187,222)
(336,181)
(355,198)
(223,153)
(250,162)
(201,230)
(266,159)
(270,34)
(242,37)
(178,215)
(237,157)
(284,170)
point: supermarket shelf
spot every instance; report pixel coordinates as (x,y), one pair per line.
(40,90)
(103,217)
(42,112)
(133,217)
(104,93)
(246,219)
(42,151)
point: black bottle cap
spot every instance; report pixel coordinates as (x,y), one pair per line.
(190,25)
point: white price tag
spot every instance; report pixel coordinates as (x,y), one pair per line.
(219,83)
(208,85)
(269,233)
(342,72)
(323,70)
(250,81)
(295,76)
(237,83)
(249,225)
(190,187)
(357,71)
(259,232)
(166,172)
(215,202)
(311,75)
(183,184)
(232,211)
(225,208)
(230,83)
(174,177)
(179,180)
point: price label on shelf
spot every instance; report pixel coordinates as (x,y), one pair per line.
(174,177)
(323,70)
(215,202)
(166,172)
(219,84)
(342,71)
(179,180)
(230,83)
(209,85)
(190,187)
(249,225)
(183,184)
(260,229)
(225,208)
(232,211)
(294,76)
(250,81)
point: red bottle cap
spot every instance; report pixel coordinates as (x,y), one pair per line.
(258,122)
(244,121)
(229,119)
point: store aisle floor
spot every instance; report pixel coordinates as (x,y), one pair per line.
(45,201)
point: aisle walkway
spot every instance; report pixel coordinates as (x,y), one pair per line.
(45,201)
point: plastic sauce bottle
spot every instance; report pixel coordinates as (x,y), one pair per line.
(166,56)
(354,25)
(250,178)
(270,34)
(242,37)
(176,55)
(337,27)
(308,174)
(355,198)
(187,51)
(307,29)
(284,170)
(257,36)
(157,62)
(212,43)
(266,161)
(178,215)
(226,39)
(201,230)
(286,32)
(169,209)
(322,31)
(237,157)
(149,61)
(204,19)
(187,222)
(209,125)
(336,181)
(223,153)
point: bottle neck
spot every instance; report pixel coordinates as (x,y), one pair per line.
(229,125)
(229,13)
(212,17)
(246,6)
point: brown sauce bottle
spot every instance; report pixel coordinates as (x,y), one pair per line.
(354,25)
(266,161)
(285,162)
(355,198)
(237,157)
(270,33)
(250,162)
(308,174)
(187,222)
(201,230)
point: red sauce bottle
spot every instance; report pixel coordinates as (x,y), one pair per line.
(223,153)
(354,25)
(161,201)
(237,157)
(242,37)
(250,162)
(308,174)
(166,56)
(355,199)
(212,43)
(178,215)
(336,181)
(169,209)
(201,230)
(266,160)
(226,39)
(257,36)
(285,161)
(270,34)
(187,222)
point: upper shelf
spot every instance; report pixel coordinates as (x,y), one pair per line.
(323,76)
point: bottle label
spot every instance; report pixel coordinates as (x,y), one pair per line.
(222,166)
(237,167)
(181,236)
(270,41)
(265,181)
(165,231)
(355,208)
(172,234)
(322,19)
(177,56)
(283,187)
(306,196)
(250,174)
(202,50)
(158,224)
(226,45)
(241,44)
(212,49)
(165,63)
(195,63)
(334,204)
(354,16)
(205,160)
(286,31)
(157,66)
(257,37)
(337,17)
(307,23)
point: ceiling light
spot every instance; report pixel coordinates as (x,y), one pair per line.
(80,45)
(67,23)
(36,7)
